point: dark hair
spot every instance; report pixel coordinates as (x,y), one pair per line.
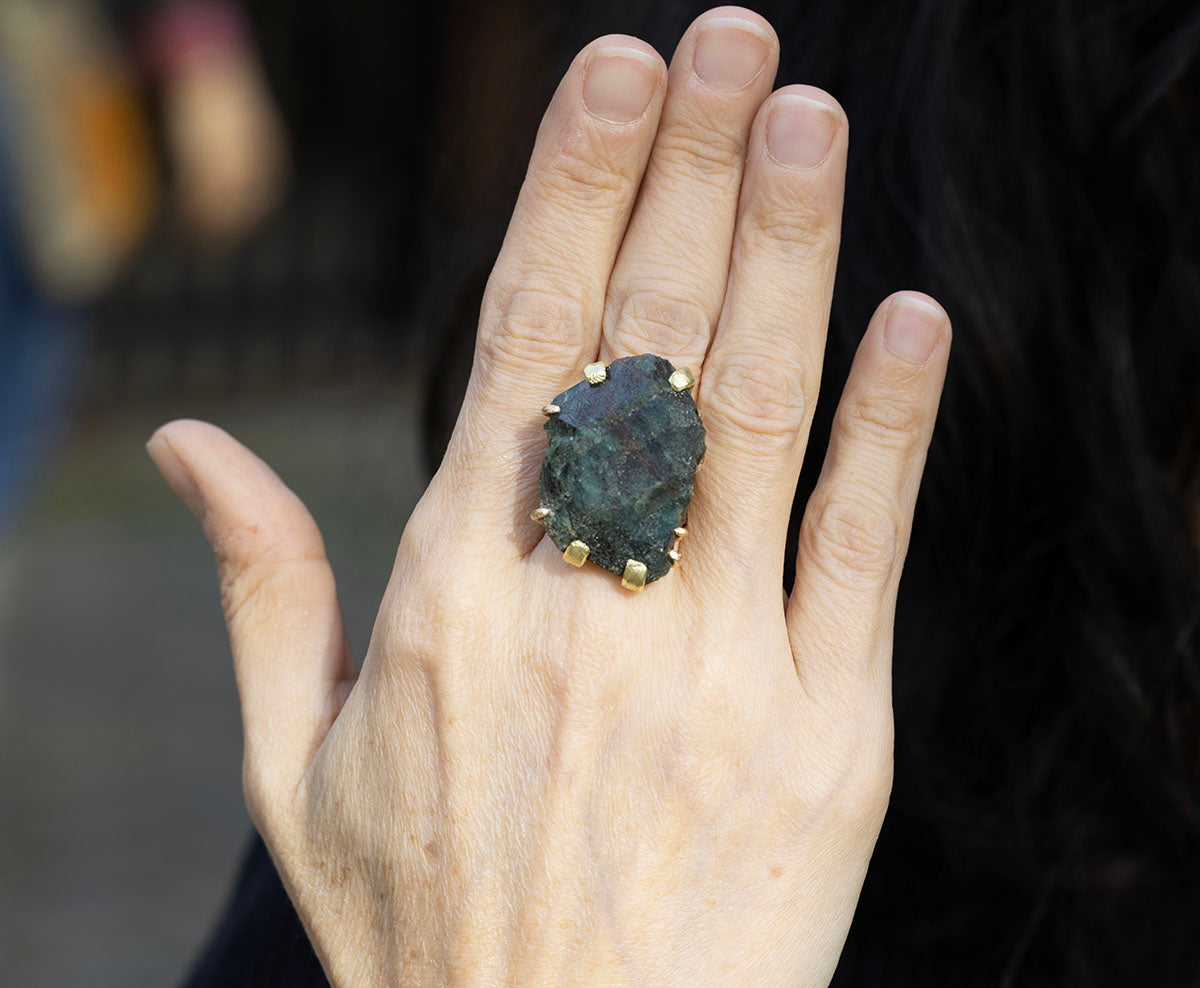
(1036,167)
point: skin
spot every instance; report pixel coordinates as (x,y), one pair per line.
(538,777)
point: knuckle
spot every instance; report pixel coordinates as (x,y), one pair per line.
(869,786)
(530,325)
(584,170)
(240,589)
(863,802)
(422,535)
(261,790)
(271,580)
(759,399)
(885,421)
(850,772)
(851,541)
(696,149)
(651,322)
(803,224)
(442,610)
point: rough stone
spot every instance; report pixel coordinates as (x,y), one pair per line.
(621,463)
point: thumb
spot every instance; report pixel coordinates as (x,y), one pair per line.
(290,655)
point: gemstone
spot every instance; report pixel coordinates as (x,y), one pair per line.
(620,465)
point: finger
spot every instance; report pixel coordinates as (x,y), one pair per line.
(669,280)
(290,656)
(856,525)
(763,370)
(540,320)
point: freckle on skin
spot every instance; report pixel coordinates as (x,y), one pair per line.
(776,871)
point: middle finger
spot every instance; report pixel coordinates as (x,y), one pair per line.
(669,279)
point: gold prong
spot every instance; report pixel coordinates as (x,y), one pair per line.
(673,553)
(576,553)
(540,514)
(550,409)
(634,577)
(595,373)
(681,379)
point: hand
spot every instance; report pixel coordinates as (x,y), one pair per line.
(538,777)
(227,142)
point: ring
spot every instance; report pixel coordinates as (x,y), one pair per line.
(620,467)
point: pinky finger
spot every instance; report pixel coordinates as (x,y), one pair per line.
(856,525)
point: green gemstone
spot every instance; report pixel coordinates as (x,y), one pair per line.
(621,465)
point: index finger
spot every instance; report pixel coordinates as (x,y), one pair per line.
(541,315)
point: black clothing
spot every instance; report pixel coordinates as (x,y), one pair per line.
(259,941)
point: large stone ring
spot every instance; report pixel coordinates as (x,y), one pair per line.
(625,443)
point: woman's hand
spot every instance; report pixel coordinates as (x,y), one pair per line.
(538,777)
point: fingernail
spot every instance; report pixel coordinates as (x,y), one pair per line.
(912,328)
(800,130)
(619,83)
(730,52)
(176,474)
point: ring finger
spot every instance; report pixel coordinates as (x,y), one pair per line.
(764,366)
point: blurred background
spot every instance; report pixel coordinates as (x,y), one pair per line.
(277,216)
